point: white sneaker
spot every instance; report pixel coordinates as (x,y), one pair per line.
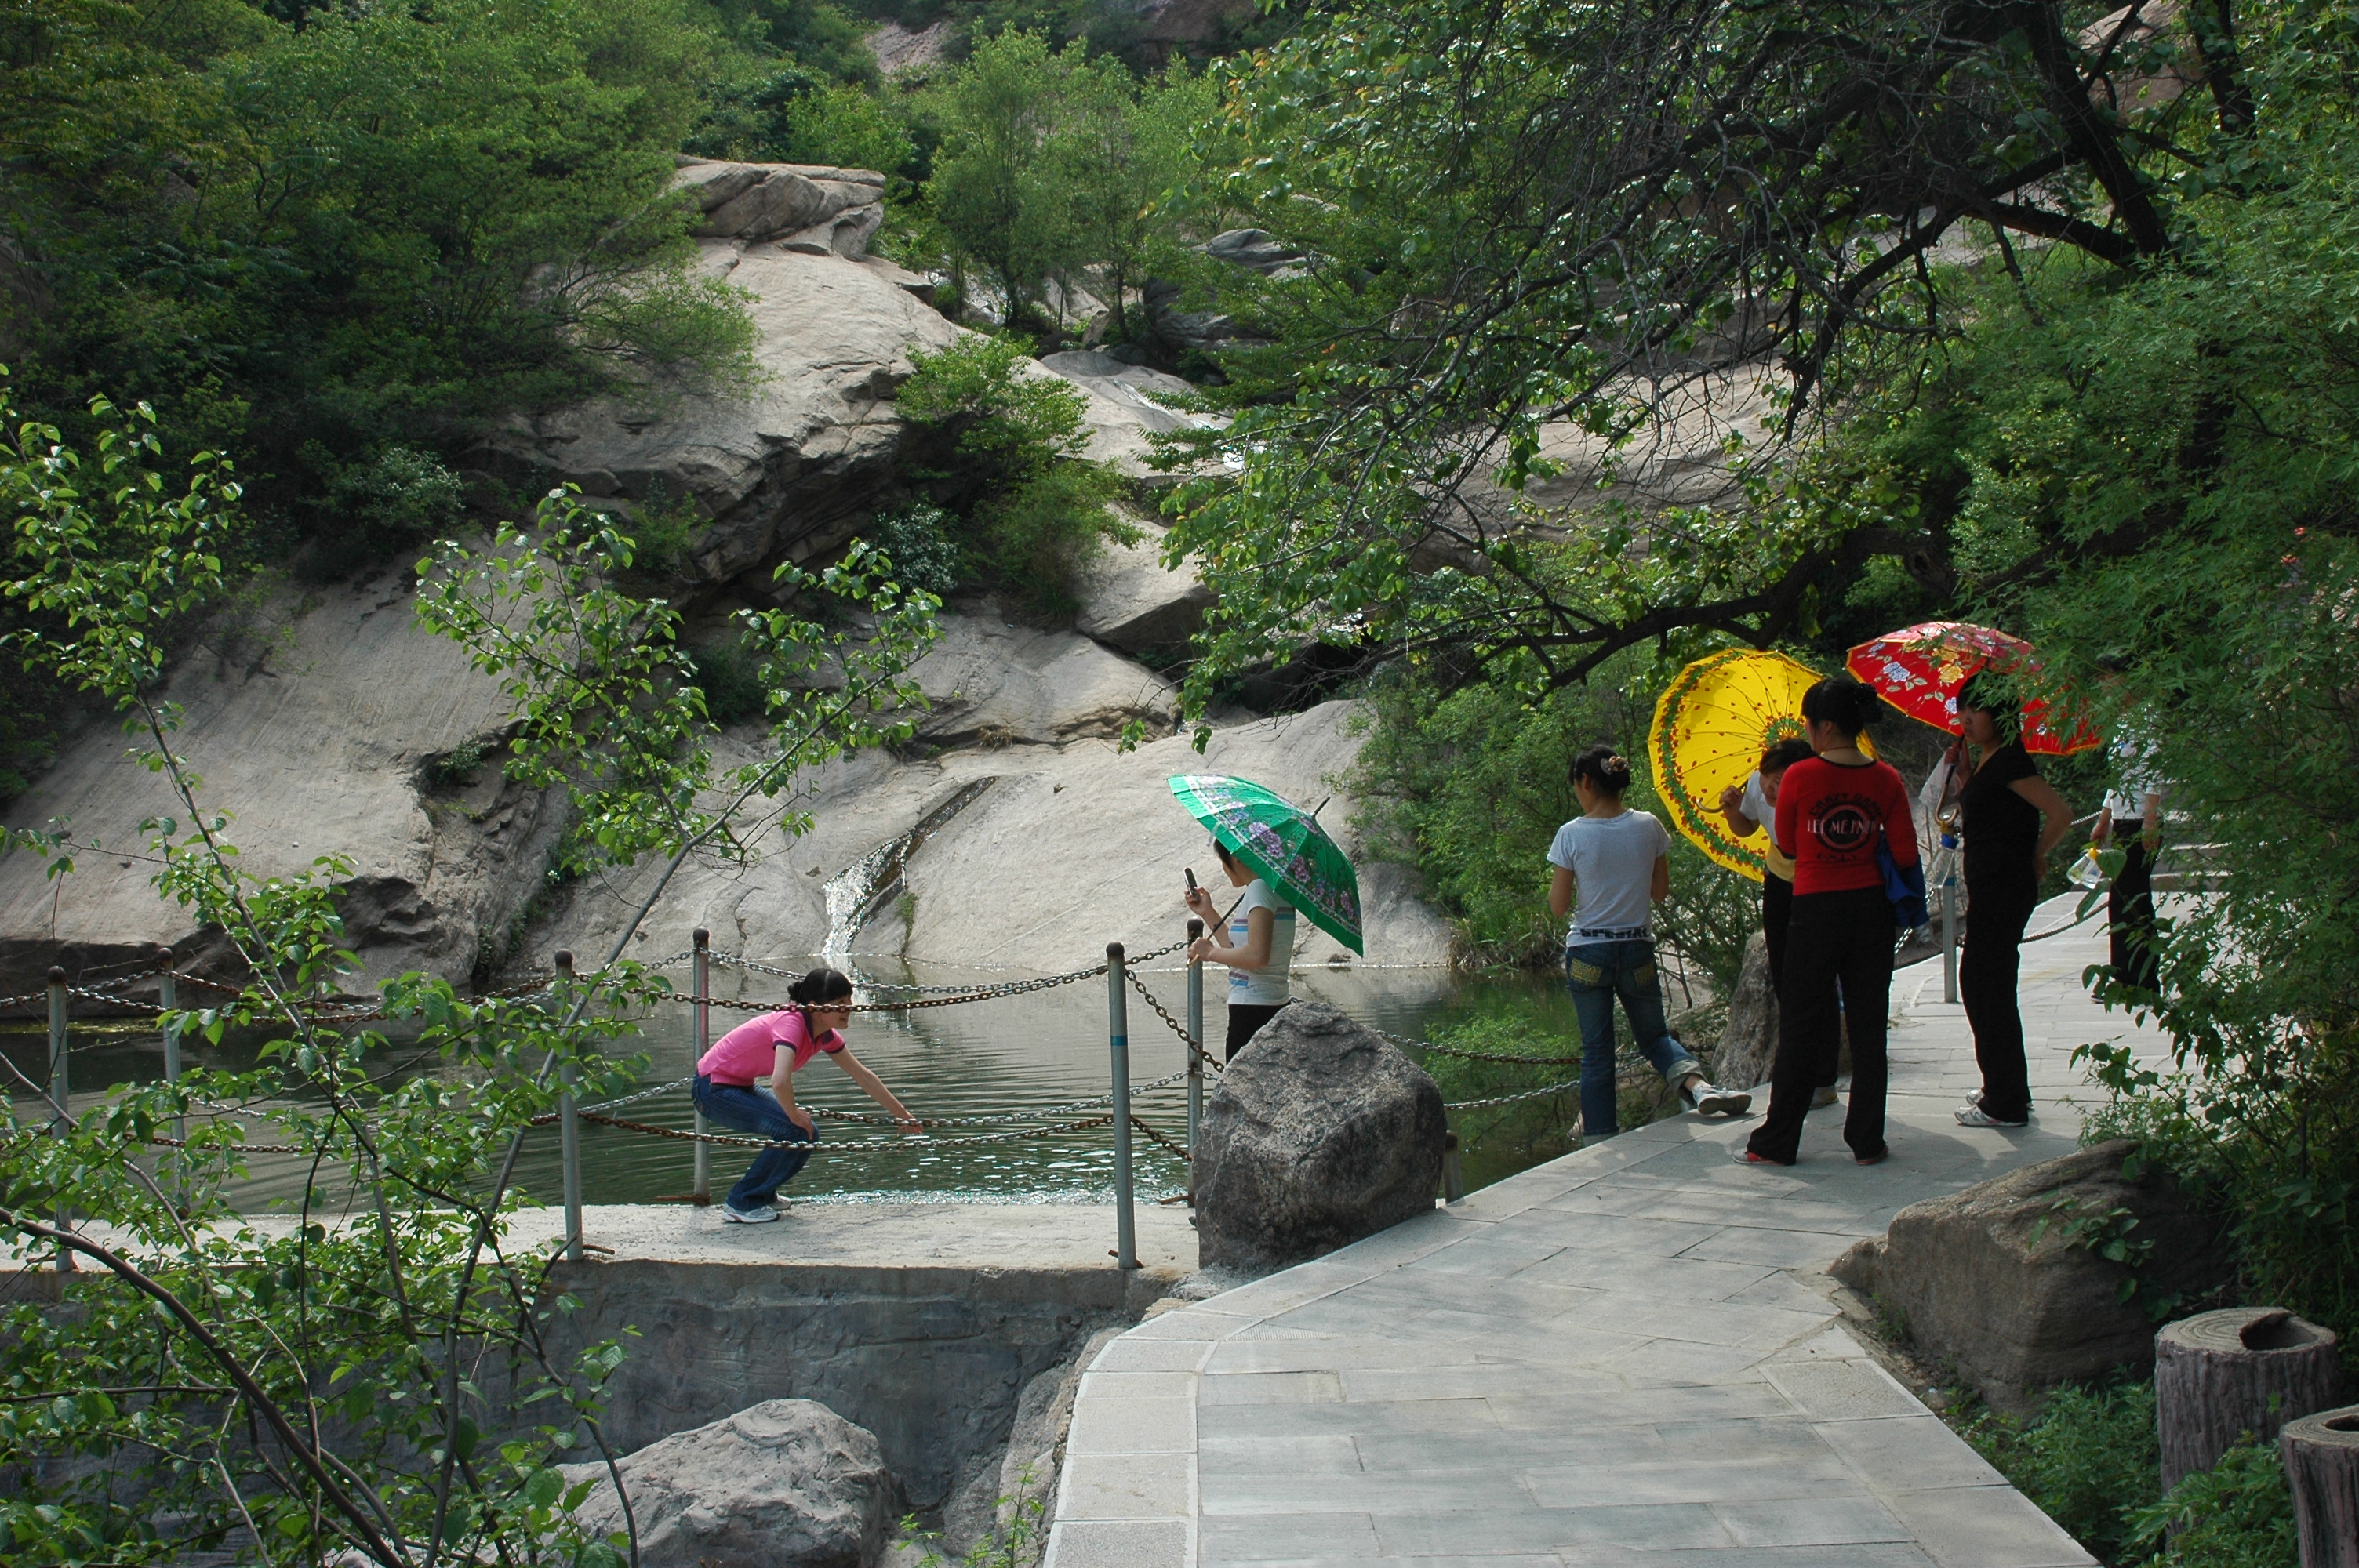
(1824,1096)
(732,1214)
(1711,1101)
(1976,1116)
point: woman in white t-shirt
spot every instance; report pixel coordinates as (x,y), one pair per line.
(1259,953)
(1618,862)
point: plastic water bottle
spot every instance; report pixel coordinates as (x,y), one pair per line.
(2085,872)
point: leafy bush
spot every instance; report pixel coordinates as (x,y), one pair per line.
(1469,785)
(916,540)
(2090,1460)
(728,673)
(662,527)
(2238,1514)
(1039,535)
(398,499)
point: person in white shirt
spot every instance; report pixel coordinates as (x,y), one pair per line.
(1618,861)
(1259,953)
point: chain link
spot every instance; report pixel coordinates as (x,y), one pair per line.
(1573,1084)
(1176,1027)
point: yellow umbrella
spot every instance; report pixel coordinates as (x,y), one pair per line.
(1710,727)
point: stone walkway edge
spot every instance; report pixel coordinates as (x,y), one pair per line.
(1629,1355)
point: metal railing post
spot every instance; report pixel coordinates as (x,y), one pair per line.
(1453,1178)
(569,1125)
(1195,1044)
(1118,1043)
(701,1193)
(167,997)
(60,1090)
(1950,934)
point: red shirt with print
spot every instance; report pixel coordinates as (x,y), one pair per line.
(1830,818)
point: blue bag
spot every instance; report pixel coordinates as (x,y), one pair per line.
(1904,887)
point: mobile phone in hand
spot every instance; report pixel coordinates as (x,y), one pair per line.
(1191,878)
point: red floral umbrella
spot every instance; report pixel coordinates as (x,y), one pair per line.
(1919,670)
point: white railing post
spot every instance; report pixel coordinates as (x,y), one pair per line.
(701,1193)
(1195,1046)
(1118,1043)
(167,997)
(569,1125)
(61,1089)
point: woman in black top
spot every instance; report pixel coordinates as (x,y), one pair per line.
(2013,818)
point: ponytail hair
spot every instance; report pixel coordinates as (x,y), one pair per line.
(1607,770)
(1847,704)
(822,985)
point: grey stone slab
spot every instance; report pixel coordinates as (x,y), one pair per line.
(1265,1538)
(1810,1522)
(1573,1445)
(1380,1496)
(1090,1543)
(1269,1388)
(1138,1385)
(1851,1389)
(1604,1234)
(1647,1527)
(1133,1426)
(1196,1323)
(1779,1248)
(1506,1249)
(1443,1420)
(1693,1480)
(1672,1363)
(1984,1527)
(1894,1554)
(1630,1273)
(1909,1453)
(1493,1380)
(1297,1453)
(1123,1487)
(1742,1440)
(1129,1354)
(1413,1239)
(1794,1291)
(1622,1195)
(1701,1322)
(1743,1399)
(1333,1352)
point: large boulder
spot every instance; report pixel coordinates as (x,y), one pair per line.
(1319,1134)
(324,723)
(2003,1277)
(994,681)
(1748,1041)
(786,1484)
(1131,601)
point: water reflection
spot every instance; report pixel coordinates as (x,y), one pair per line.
(987,1060)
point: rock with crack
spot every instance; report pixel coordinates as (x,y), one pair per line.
(786,1482)
(993,682)
(1131,601)
(1319,1133)
(347,730)
(2004,1278)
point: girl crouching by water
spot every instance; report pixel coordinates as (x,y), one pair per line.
(1618,861)
(780,1045)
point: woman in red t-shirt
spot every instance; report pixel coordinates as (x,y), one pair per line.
(1835,812)
(779,1046)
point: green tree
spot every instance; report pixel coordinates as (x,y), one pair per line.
(1130,152)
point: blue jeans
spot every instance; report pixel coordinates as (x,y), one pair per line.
(744,1108)
(1596,973)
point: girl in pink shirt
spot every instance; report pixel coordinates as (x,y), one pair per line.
(779,1046)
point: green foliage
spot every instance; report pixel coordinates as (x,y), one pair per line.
(376,1378)
(916,541)
(1014,1542)
(2091,1461)
(1470,786)
(396,501)
(1039,509)
(663,526)
(729,674)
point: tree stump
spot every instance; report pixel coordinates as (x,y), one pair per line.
(2321,1465)
(2219,1375)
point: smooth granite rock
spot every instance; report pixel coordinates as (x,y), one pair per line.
(1996,1277)
(1131,601)
(1319,1134)
(786,1484)
(995,683)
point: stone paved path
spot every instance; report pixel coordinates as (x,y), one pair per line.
(1626,1356)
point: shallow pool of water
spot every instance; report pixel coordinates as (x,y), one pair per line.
(995,1060)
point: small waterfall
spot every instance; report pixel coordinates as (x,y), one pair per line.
(857,895)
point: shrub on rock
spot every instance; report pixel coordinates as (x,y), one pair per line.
(2010,1277)
(1319,1133)
(786,1482)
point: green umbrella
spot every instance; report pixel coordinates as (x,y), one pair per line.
(1284,843)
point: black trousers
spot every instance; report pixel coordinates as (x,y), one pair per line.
(1776,918)
(1838,951)
(1987,980)
(1245,1020)
(2129,912)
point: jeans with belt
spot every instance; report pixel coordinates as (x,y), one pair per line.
(1596,972)
(742,1108)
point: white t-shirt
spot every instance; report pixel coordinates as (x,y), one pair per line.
(1612,859)
(1757,804)
(2134,776)
(1267,986)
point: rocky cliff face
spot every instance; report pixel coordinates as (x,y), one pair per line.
(347,733)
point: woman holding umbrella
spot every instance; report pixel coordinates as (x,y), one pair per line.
(2013,818)
(1258,952)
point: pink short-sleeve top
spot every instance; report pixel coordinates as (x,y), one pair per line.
(748,1051)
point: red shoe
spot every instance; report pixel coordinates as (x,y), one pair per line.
(1747,1157)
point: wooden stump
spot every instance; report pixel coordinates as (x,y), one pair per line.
(2219,1375)
(2321,1465)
